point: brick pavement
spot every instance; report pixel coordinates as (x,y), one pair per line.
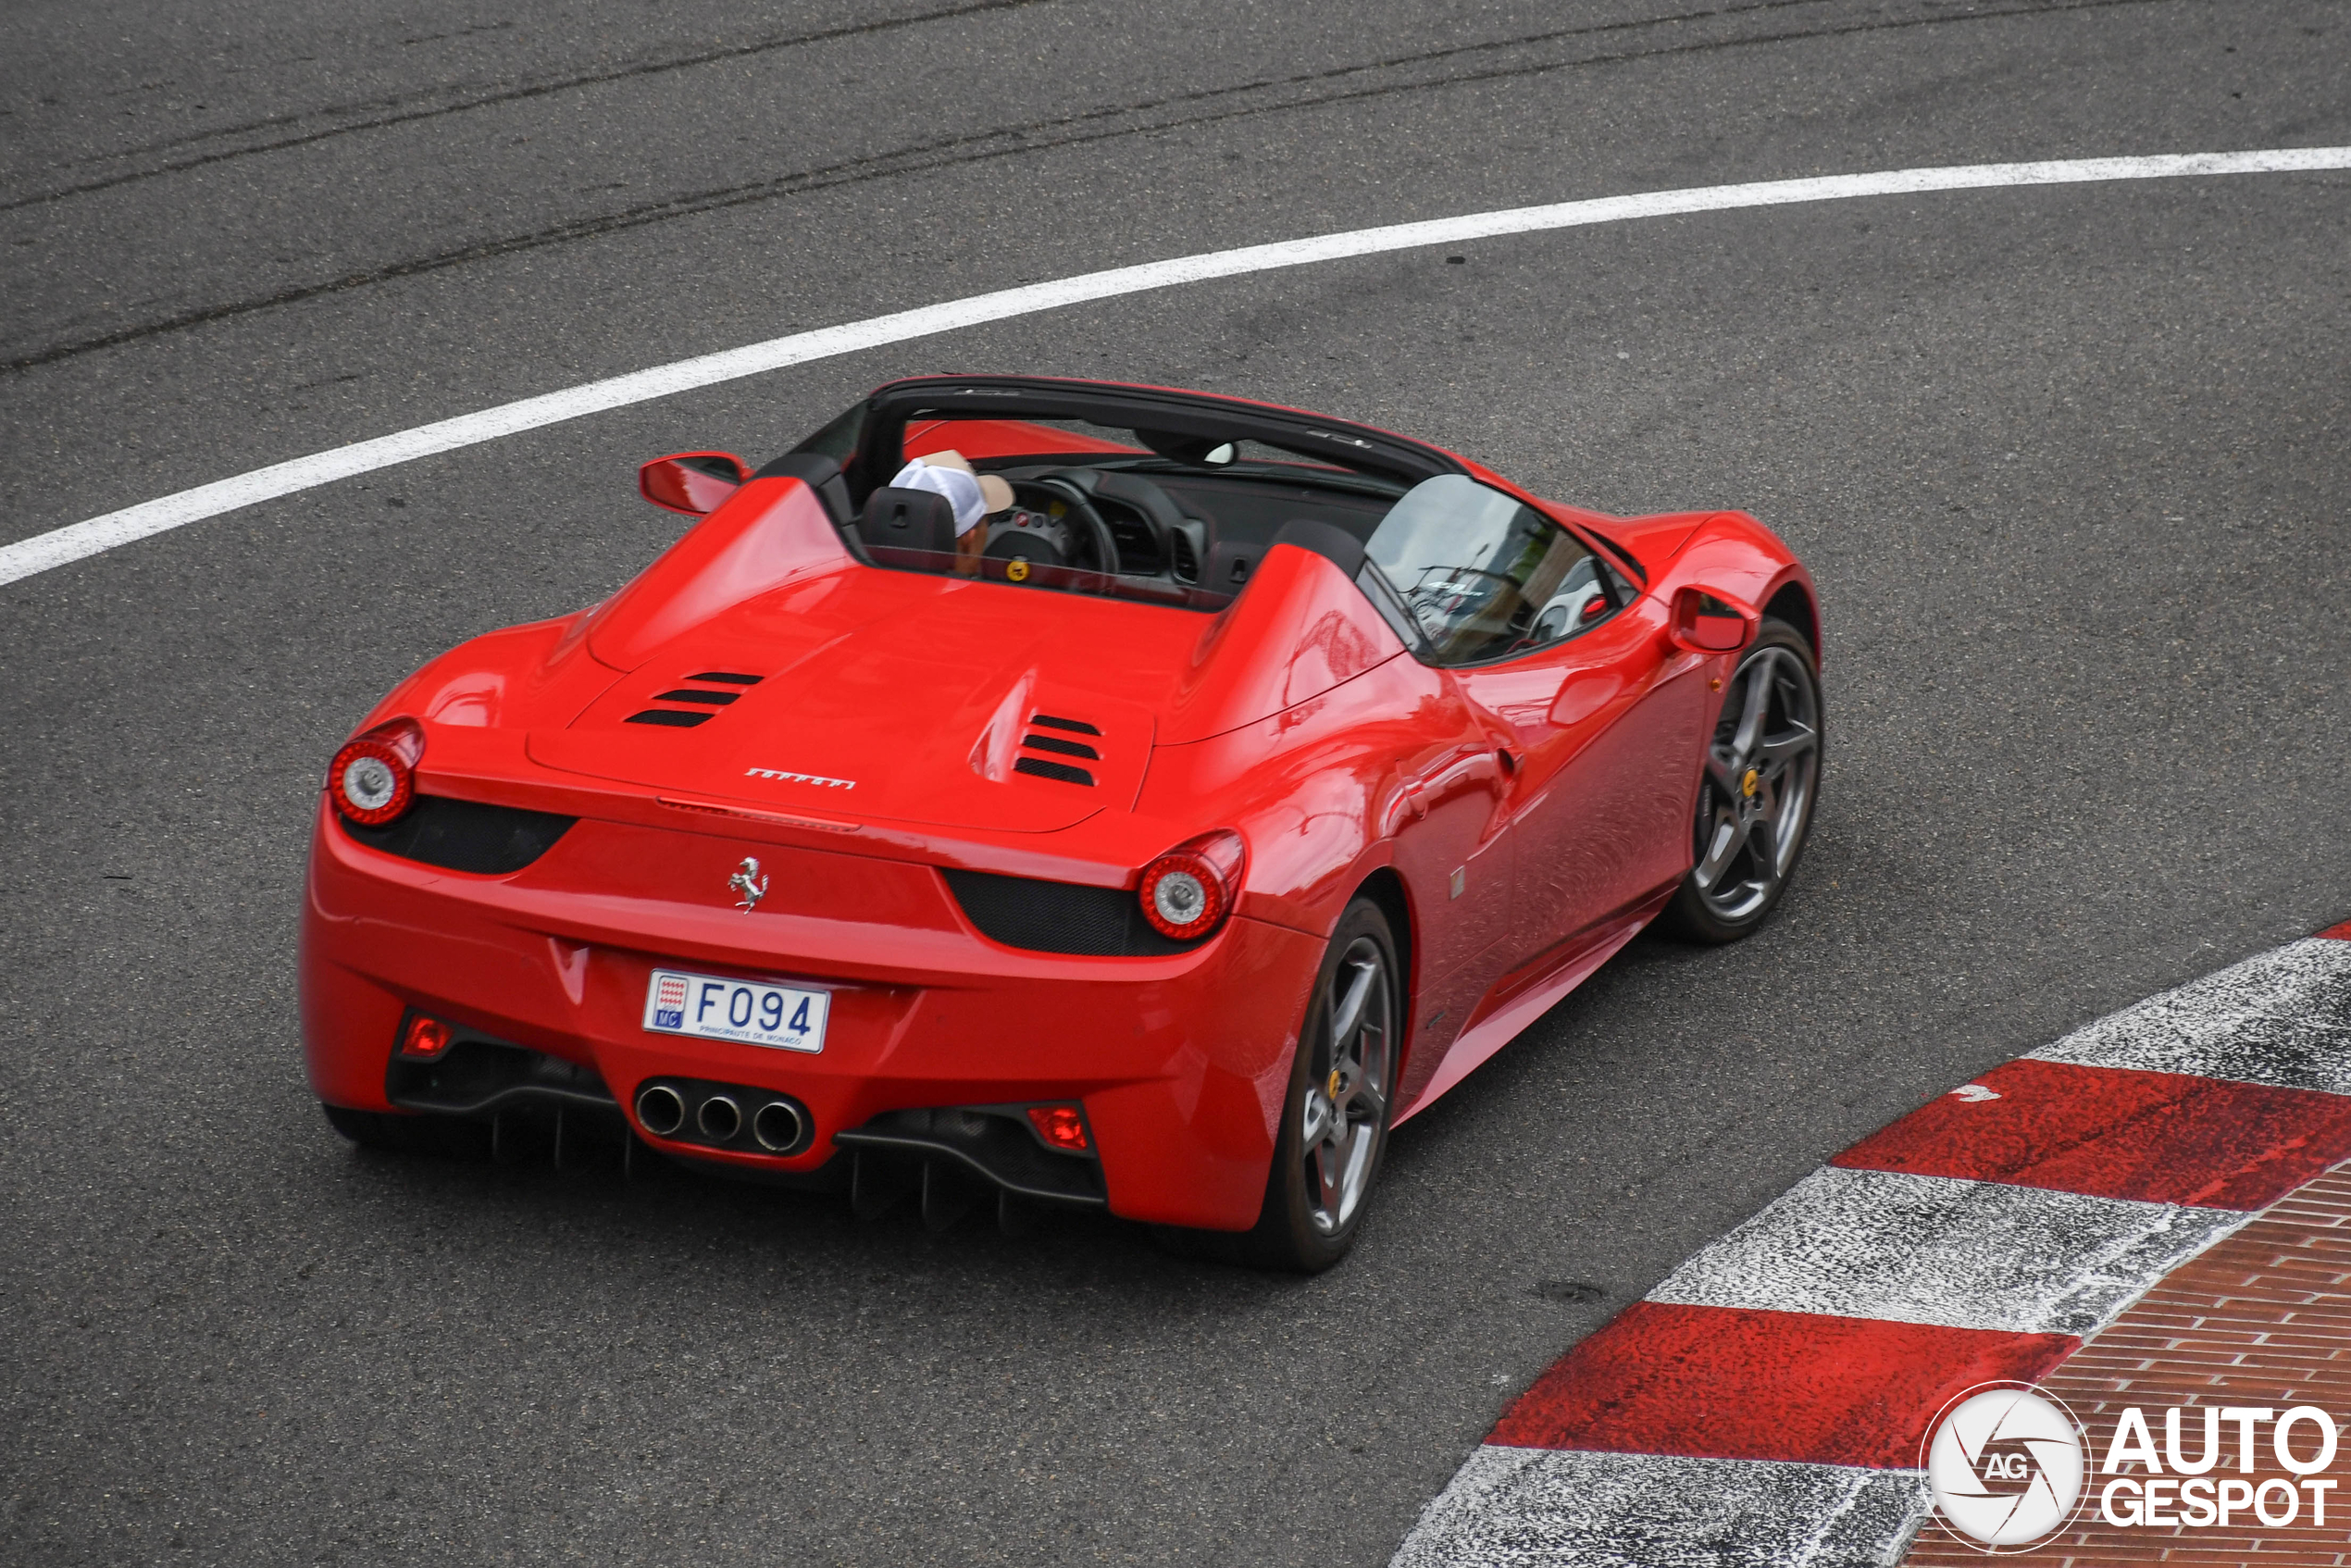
(2263,1319)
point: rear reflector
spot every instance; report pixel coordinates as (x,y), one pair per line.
(1061,1127)
(425,1038)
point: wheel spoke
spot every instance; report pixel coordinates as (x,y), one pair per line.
(1759,702)
(1723,769)
(1730,837)
(1316,1124)
(1763,843)
(1798,741)
(1349,1015)
(1330,1174)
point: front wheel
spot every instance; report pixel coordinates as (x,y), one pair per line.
(1334,1123)
(1756,801)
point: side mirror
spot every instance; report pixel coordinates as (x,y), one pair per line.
(1706,621)
(691,482)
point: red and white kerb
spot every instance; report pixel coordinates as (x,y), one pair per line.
(374,776)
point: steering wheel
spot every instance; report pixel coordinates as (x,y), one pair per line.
(1094,537)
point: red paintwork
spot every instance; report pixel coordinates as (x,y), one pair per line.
(999,438)
(2341,933)
(675,486)
(892,709)
(1743,1383)
(2116,1133)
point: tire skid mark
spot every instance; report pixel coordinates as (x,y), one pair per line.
(402,113)
(987,146)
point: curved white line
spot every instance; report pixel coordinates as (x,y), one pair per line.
(59,546)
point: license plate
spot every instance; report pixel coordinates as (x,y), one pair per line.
(743,1011)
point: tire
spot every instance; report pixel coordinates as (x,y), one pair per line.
(1759,790)
(408,1134)
(1327,1150)
(369,1129)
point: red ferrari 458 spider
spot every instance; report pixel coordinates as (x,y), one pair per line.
(1058,792)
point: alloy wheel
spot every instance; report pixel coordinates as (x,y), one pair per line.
(1762,770)
(1345,1114)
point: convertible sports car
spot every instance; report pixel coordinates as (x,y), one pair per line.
(1156,842)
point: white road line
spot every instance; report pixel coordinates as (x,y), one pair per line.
(1521,1508)
(59,546)
(2282,1017)
(1963,1255)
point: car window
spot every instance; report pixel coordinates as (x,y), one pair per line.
(1485,576)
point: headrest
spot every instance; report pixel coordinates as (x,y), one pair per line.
(908,519)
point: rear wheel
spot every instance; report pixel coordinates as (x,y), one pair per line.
(1762,781)
(1334,1125)
(408,1134)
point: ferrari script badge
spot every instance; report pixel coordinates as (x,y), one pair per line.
(748,882)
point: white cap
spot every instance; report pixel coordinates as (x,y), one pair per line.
(972,496)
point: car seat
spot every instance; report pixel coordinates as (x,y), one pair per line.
(908,528)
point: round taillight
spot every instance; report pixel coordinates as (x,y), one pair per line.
(374,776)
(1187,893)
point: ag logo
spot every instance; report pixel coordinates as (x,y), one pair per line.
(2004,1463)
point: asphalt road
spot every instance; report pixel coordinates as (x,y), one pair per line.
(2069,464)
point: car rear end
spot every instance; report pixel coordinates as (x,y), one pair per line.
(876,1010)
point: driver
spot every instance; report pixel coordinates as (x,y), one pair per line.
(975,497)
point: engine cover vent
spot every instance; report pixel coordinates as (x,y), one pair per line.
(699,695)
(1038,768)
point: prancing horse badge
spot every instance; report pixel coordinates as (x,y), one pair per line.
(750,883)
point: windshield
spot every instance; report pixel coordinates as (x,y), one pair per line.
(1000,443)
(1483,575)
(1053,502)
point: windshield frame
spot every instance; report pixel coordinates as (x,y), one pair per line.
(1199,417)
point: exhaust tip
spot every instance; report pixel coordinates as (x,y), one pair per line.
(661,1109)
(777,1125)
(720,1118)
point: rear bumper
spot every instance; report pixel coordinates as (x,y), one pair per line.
(1181,1061)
